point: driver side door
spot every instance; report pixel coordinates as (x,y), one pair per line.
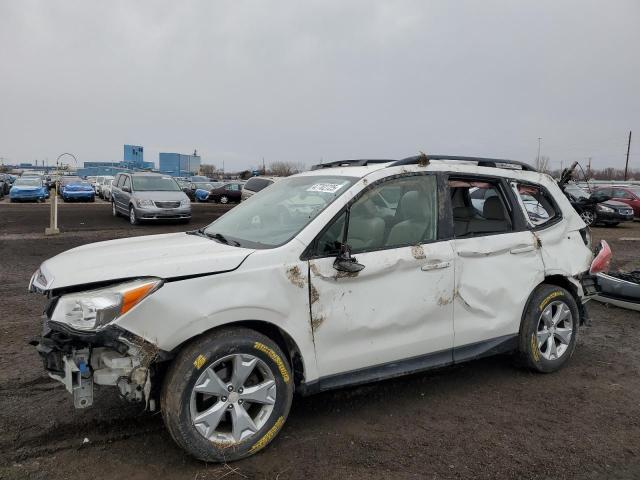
(396,314)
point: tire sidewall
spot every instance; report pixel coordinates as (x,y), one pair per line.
(541,298)
(188,367)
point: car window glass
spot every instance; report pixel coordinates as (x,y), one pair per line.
(284,211)
(537,203)
(478,208)
(126,182)
(392,214)
(620,193)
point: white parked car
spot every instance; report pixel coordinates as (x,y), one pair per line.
(105,189)
(338,276)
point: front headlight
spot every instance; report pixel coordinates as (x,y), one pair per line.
(145,203)
(185,202)
(604,208)
(94,309)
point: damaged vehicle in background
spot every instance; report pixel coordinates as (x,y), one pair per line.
(597,208)
(350,273)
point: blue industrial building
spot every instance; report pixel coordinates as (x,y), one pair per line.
(179,165)
(133,160)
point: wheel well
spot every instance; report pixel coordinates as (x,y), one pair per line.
(279,336)
(560,281)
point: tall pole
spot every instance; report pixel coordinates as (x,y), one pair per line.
(538,157)
(626,167)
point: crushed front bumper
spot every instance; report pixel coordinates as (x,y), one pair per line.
(111,357)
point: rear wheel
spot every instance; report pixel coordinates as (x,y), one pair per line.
(549,329)
(227,395)
(224,199)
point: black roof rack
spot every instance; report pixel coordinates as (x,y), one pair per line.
(482,162)
(349,163)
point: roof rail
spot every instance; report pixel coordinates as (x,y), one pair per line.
(482,162)
(349,163)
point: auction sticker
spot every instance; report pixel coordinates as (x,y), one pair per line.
(325,187)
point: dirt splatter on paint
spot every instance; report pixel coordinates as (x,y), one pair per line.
(295,276)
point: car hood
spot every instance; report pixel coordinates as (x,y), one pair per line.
(77,187)
(25,188)
(165,256)
(614,203)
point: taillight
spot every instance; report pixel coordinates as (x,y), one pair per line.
(603,258)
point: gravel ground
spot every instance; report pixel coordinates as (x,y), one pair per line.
(487,419)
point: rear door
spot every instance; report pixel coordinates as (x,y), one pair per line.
(498,264)
(395,315)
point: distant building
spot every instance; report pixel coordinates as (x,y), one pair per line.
(179,165)
(133,160)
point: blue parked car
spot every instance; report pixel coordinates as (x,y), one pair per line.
(28,188)
(75,188)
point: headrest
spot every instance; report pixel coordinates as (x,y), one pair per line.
(410,206)
(493,209)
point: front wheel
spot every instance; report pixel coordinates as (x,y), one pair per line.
(224,199)
(133,220)
(227,395)
(588,217)
(114,210)
(549,329)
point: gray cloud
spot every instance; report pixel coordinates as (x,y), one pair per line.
(300,81)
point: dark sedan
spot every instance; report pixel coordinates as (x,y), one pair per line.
(597,208)
(225,193)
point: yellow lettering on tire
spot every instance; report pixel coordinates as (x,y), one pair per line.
(534,348)
(550,297)
(267,436)
(275,357)
(199,361)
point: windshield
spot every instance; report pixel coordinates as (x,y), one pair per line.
(154,184)
(28,182)
(204,186)
(275,215)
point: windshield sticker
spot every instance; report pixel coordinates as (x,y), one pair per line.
(325,187)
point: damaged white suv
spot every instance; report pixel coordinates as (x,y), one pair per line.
(353,272)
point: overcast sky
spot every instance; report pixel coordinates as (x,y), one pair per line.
(307,80)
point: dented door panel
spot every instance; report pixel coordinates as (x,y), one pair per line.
(494,277)
(399,306)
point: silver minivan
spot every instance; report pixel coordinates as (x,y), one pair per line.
(149,196)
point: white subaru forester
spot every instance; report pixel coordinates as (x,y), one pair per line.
(352,272)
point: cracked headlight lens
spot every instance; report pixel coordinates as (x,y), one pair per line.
(91,310)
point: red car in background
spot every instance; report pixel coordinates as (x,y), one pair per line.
(629,194)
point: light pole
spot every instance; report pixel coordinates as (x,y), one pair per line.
(53,219)
(538,157)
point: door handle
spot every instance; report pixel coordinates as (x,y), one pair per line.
(525,249)
(435,266)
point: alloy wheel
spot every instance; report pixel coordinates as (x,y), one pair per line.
(132,216)
(555,328)
(224,199)
(588,217)
(233,398)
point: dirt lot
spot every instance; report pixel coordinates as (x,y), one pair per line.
(486,419)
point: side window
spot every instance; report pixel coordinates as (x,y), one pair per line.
(395,213)
(620,193)
(538,205)
(116,182)
(126,182)
(479,208)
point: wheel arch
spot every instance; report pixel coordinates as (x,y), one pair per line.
(563,282)
(270,330)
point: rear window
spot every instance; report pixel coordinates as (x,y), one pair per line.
(256,184)
(537,203)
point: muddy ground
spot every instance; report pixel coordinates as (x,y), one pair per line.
(486,419)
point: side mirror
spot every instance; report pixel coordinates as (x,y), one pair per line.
(345,262)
